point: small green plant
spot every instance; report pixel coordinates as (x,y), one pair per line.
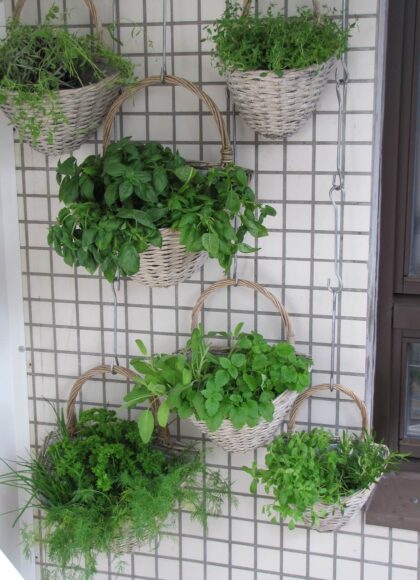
(116,204)
(305,468)
(273,42)
(103,486)
(36,62)
(239,385)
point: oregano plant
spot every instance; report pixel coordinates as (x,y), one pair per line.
(273,42)
(238,384)
(116,204)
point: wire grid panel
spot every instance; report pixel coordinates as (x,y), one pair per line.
(69,314)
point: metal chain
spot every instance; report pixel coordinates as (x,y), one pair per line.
(338,187)
(163,70)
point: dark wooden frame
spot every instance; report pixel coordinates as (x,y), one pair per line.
(398,314)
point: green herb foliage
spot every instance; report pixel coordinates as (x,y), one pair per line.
(116,204)
(104,484)
(38,61)
(305,468)
(239,385)
(273,42)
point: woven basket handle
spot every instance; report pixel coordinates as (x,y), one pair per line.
(315,4)
(290,335)
(173,81)
(91,7)
(326,387)
(163,434)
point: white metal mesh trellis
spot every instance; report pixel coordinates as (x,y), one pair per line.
(293,176)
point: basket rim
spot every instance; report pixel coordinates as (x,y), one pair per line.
(112,75)
(271,75)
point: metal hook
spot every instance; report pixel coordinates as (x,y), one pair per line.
(163,70)
(116,285)
(339,285)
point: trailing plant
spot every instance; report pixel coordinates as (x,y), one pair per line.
(273,42)
(36,62)
(239,385)
(305,468)
(103,485)
(115,205)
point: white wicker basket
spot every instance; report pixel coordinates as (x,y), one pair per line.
(274,106)
(172,263)
(247,438)
(334,517)
(84,108)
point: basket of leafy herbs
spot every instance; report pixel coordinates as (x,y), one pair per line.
(56,86)
(143,211)
(318,479)
(238,396)
(100,489)
(276,67)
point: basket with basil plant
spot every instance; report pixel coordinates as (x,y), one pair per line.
(120,205)
(238,395)
(100,489)
(276,66)
(318,479)
(56,85)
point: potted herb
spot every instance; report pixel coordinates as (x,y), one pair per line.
(238,396)
(100,489)
(122,207)
(56,85)
(276,67)
(320,480)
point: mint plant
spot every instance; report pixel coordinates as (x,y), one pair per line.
(305,468)
(116,203)
(240,384)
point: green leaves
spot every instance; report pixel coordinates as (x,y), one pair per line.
(211,244)
(304,468)
(129,260)
(239,385)
(273,42)
(137,189)
(146,425)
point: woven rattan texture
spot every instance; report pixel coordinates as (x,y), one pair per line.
(69,313)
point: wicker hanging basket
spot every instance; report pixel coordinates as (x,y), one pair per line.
(247,438)
(335,517)
(274,106)
(84,108)
(172,263)
(128,541)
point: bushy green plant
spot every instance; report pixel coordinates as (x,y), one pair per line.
(305,468)
(103,485)
(239,385)
(116,204)
(38,61)
(273,42)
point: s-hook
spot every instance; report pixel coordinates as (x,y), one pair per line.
(338,186)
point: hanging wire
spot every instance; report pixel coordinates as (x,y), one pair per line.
(232,110)
(163,70)
(114,48)
(116,285)
(338,187)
